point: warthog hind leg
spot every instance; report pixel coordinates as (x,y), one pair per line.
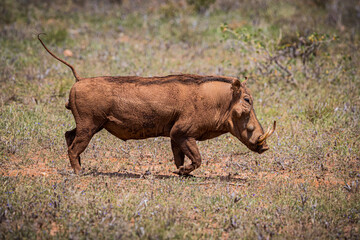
(78,145)
(69,136)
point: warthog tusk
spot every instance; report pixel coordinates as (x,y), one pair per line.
(267,134)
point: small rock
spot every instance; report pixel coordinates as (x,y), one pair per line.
(68,53)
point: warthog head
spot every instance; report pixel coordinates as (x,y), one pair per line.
(243,122)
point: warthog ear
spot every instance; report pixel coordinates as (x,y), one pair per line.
(235,86)
(245,81)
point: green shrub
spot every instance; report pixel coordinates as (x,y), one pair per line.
(200,6)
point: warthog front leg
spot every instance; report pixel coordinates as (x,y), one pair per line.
(178,154)
(189,148)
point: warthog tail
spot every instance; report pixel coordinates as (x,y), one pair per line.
(67,64)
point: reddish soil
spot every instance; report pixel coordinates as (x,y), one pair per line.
(40,166)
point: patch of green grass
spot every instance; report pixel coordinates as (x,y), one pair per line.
(101,207)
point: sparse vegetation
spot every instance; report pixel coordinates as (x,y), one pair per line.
(302,59)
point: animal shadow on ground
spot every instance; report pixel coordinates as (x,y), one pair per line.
(147,175)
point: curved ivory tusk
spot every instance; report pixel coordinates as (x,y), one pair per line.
(267,134)
(263,137)
(272,130)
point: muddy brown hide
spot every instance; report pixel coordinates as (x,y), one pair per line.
(185,108)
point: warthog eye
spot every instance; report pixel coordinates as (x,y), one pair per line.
(247,100)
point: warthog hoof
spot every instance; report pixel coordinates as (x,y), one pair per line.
(77,170)
(182,171)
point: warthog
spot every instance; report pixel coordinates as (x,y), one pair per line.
(186,108)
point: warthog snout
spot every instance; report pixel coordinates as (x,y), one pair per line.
(262,148)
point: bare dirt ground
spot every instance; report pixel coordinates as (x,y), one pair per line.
(44,167)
